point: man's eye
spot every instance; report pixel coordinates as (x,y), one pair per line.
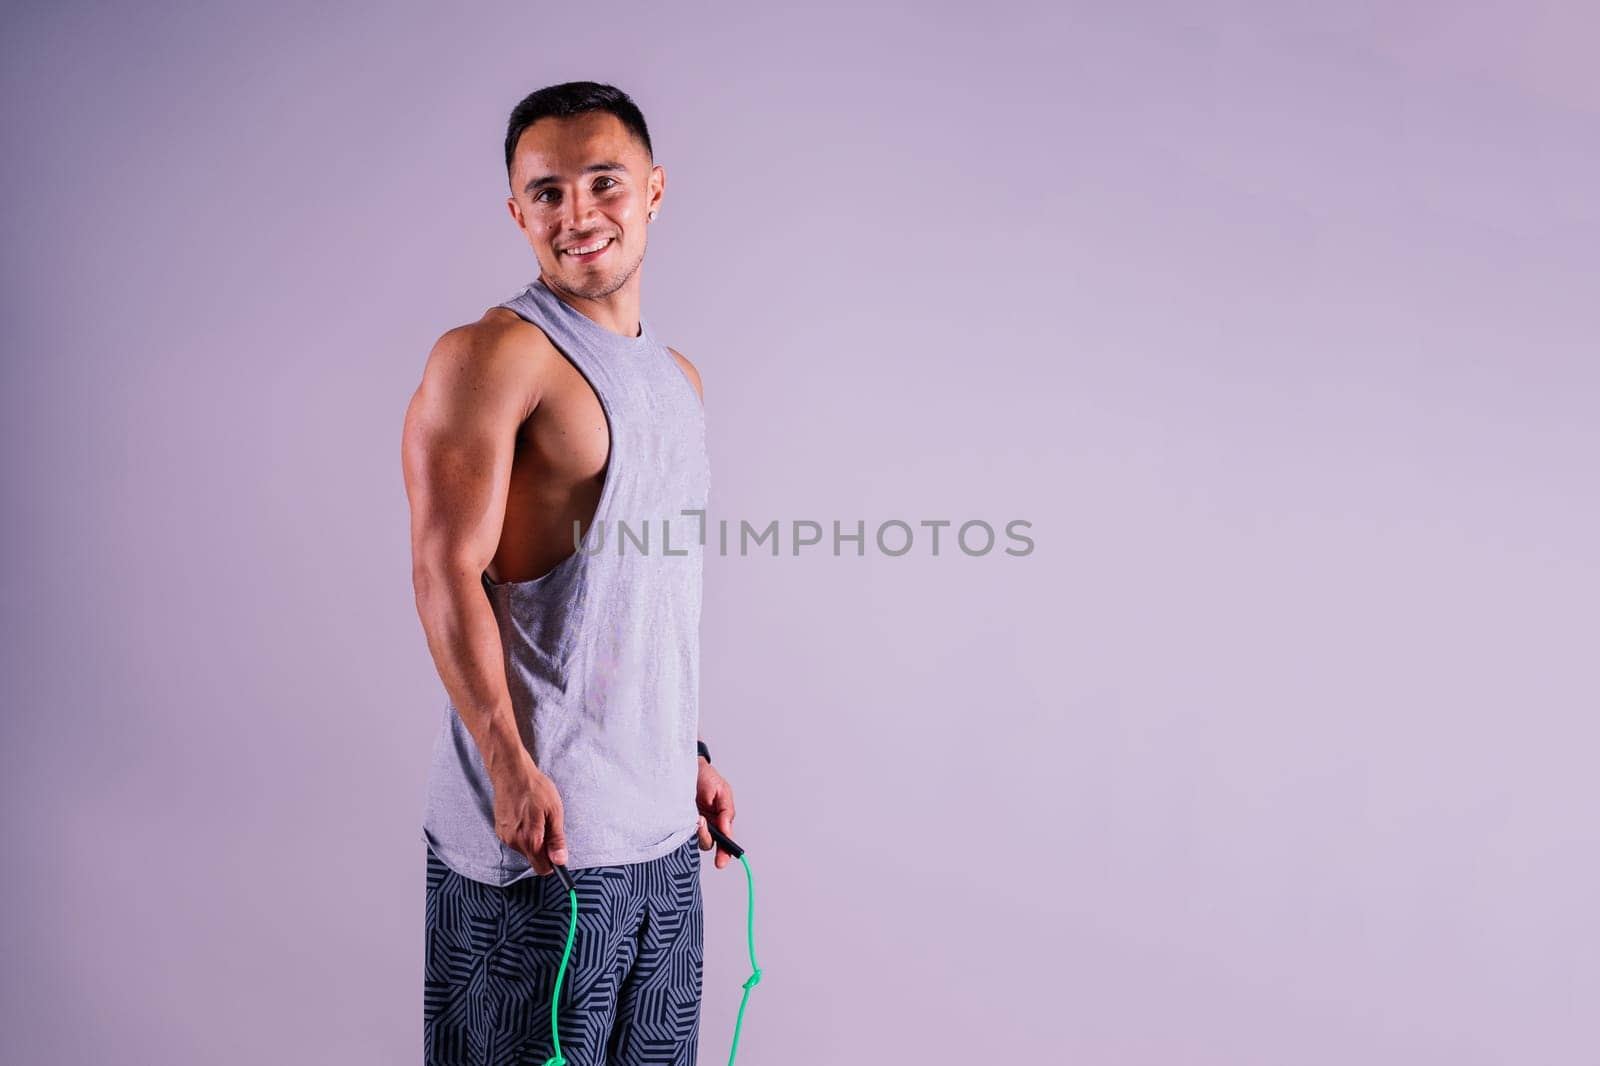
(540,198)
(613,181)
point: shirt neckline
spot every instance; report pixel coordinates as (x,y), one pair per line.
(588,325)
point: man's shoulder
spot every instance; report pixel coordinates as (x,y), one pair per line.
(690,369)
(501,336)
(501,351)
(499,328)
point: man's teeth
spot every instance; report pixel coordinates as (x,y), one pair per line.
(586,249)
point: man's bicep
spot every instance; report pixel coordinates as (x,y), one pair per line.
(457,449)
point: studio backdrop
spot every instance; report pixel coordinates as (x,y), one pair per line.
(1178,434)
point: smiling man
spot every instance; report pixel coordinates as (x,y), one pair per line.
(544,439)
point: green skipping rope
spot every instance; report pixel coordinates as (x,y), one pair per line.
(750,937)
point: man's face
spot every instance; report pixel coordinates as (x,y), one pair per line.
(577,182)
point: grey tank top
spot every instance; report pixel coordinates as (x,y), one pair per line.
(602,653)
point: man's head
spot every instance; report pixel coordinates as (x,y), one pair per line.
(581,170)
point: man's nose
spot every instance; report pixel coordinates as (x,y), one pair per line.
(580,210)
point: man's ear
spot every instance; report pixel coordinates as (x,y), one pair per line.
(658,185)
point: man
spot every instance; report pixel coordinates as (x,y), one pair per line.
(571,666)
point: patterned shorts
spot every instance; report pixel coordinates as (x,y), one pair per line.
(631,993)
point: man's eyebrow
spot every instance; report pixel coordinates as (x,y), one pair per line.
(551,179)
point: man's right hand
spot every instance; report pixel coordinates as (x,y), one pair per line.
(527,812)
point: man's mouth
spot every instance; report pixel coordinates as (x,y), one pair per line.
(588,251)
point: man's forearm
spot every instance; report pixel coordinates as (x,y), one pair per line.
(464,639)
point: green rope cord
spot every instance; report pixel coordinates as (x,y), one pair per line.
(750,936)
(559,1059)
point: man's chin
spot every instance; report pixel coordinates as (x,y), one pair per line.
(590,286)
(591,291)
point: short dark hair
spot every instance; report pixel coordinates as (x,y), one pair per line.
(575,98)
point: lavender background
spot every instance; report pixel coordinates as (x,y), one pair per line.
(1277,322)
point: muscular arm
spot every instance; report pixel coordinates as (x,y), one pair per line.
(478,387)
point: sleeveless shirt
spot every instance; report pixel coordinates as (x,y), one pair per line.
(602,653)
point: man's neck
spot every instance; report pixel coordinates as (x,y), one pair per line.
(617,311)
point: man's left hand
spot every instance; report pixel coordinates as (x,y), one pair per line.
(714,797)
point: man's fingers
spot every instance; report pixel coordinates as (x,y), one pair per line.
(533,848)
(556,841)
